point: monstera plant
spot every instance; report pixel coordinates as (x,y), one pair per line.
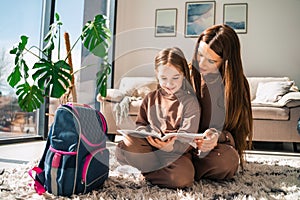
(51,79)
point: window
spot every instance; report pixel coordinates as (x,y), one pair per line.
(25,18)
(29,18)
(17,18)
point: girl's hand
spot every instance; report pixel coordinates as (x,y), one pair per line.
(162,145)
(209,142)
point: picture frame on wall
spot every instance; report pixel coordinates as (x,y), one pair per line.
(165,22)
(236,16)
(198,16)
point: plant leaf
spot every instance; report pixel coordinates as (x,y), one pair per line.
(96,36)
(54,78)
(30,98)
(51,35)
(102,78)
(20,48)
(21,69)
(14,78)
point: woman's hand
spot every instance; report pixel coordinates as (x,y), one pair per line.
(209,142)
(162,145)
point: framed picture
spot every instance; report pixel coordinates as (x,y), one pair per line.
(235,15)
(198,17)
(165,22)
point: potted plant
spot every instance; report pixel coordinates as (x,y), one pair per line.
(47,78)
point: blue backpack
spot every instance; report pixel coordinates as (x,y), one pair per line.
(75,159)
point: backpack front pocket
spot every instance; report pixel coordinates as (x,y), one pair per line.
(95,170)
(59,167)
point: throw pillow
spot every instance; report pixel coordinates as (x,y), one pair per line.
(114,95)
(129,84)
(272,91)
(144,90)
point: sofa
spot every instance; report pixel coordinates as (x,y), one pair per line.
(275,109)
(275,106)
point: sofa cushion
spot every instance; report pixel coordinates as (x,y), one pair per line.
(134,107)
(272,91)
(114,95)
(271,113)
(253,83)
(291,99)
(128,85)
(144,90)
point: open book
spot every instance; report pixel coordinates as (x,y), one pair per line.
(183,137)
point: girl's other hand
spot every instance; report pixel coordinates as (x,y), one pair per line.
(162,145)
(199,143)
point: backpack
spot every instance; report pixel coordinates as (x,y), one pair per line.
(75,159)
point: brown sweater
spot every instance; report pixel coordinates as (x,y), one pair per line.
(162,112)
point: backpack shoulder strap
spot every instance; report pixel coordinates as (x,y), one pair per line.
(39,188)
(37,173)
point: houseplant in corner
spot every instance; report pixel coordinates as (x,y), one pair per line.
(47,78)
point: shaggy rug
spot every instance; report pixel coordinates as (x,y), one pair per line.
(263,178)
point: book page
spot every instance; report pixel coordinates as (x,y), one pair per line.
(140,134)
(183,137)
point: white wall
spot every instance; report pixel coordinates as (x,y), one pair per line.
(271,47)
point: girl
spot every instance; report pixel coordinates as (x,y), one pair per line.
(171,108)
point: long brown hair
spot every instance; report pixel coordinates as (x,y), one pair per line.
(224,41)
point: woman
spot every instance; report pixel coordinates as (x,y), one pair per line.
(224,95)
(173,107)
